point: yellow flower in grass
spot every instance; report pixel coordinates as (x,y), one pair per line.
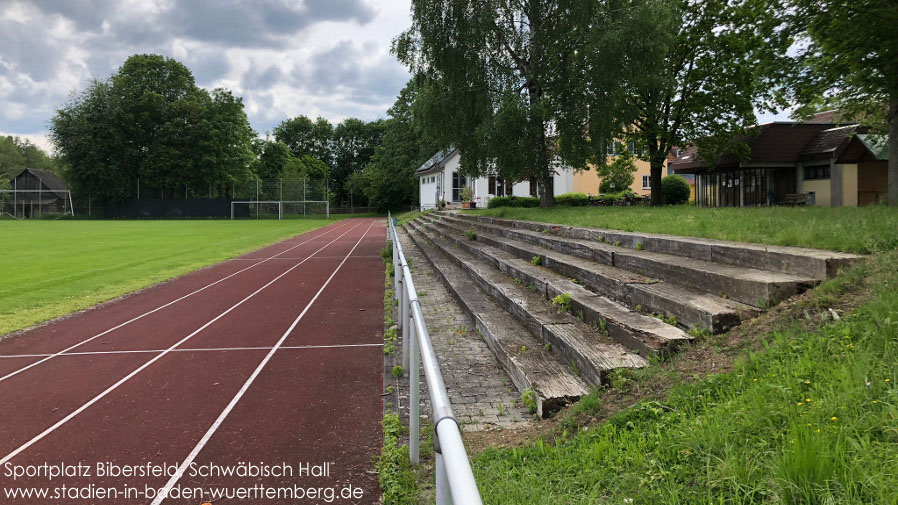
(833,418)
(807,400)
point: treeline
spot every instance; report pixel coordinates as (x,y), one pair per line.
(17,154)
(150,131)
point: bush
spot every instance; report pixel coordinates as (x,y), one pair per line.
(572,199)
(675,190)
(512,201)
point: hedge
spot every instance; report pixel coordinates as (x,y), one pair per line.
(512,201)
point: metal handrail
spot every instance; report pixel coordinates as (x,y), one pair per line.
(454,478)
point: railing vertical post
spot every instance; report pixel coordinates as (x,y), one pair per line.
(404,318)
(396,271)
(414,393)
(443,494)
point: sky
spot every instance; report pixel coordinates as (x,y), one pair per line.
(328,58)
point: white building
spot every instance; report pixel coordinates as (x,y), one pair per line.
(438,179)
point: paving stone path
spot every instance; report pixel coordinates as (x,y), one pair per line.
(482,395)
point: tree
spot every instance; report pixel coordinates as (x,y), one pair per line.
(354,142)
(275,158)
(849,61)
(487,85)
(619,172)
(150,126)
(390,176)
(698,77)
(12,161)
(306,137)
(17,154)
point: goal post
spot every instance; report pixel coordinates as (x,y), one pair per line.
(305,208)
(35,203)
(279,209)
(256,209)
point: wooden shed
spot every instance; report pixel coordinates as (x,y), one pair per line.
(36,192)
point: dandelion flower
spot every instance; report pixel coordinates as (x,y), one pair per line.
(808,400)
(833,418)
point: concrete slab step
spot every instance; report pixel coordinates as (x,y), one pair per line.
(528,363)
(751,286)
(690,307)
(802,262)
(590,352)
(637,331)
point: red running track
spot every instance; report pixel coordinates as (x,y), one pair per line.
(239,383)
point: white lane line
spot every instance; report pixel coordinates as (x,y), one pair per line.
(89,339)
(193,349)
(224,413)
(155,359)
(316,257)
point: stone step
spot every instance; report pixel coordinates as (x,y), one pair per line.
(526,360)
(751,286)
(639,332)
(690,307)
(799,261)
(592,353)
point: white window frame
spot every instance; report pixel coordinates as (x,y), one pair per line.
(646,182)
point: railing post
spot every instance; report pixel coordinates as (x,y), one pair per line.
(443,494)
(404,316)
(414,393)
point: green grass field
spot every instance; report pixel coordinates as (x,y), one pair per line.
(53,268)
(812,418)
(861,229)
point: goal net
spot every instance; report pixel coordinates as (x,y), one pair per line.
(36,203)
(279,209)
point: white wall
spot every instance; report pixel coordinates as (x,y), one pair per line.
(563,182)
(428,185)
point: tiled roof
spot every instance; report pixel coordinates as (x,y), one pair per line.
(770,143)
(825,144)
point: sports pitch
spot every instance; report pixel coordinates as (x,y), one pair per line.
(53,268)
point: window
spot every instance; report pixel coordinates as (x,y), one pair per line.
(812,173)
(458,182)
(646,182)
(499,187)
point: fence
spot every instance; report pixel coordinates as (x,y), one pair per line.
(454,478)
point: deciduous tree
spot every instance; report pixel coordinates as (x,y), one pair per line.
(670,72)
(849,61)
(487,72)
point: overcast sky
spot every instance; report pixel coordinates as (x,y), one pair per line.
(284,57)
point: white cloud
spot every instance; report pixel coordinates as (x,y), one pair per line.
(284,57)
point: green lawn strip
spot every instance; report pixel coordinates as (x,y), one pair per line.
(867,229)
(53,268)
(811,418)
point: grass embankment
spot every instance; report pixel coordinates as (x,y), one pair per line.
(859,229)
(807,414)
(53,268)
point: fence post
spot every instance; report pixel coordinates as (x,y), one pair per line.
(443,494)
(414,392)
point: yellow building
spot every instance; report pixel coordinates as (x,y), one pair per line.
(588,181)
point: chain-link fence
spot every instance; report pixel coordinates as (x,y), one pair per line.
(210,200)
